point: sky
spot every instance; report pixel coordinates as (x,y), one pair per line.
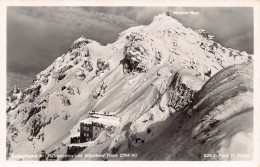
(36,36)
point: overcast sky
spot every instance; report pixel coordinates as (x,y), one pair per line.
(36,36)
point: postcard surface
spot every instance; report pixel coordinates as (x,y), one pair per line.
(130,83)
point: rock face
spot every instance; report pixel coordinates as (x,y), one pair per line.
(205,34)
(80,42)
(136,56)
(13,98)
(182,89)
(138,87)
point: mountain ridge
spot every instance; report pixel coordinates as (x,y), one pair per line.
(148,74)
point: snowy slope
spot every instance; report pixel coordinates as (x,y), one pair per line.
(142,80)
(219,122)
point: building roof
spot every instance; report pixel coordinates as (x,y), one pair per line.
(85,144)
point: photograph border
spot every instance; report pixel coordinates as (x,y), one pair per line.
(148,3)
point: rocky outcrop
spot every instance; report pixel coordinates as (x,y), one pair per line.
(80,42)
(31,93)
(81,74)
(102,65)
(205,34)
(138,58)
(182,89)
(100,91)
(14,96)
(87,65)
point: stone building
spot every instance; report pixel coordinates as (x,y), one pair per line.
(89,132)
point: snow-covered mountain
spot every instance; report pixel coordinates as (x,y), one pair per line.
(139,87)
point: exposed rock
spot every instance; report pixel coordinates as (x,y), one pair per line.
(102,65)
(81,74)
(205,34)
(135,54)
(14,96)
(80,42)
(87,65)
(31,93)
(100,91)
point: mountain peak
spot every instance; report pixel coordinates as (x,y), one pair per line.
(15,89)
(163,16)
(135,86)
(80,42)
(81,39)
(165,21)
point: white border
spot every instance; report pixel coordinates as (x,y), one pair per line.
(149,3)
(155,3)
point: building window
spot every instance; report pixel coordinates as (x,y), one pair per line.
(86,134)
(86,128)
(95,134)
